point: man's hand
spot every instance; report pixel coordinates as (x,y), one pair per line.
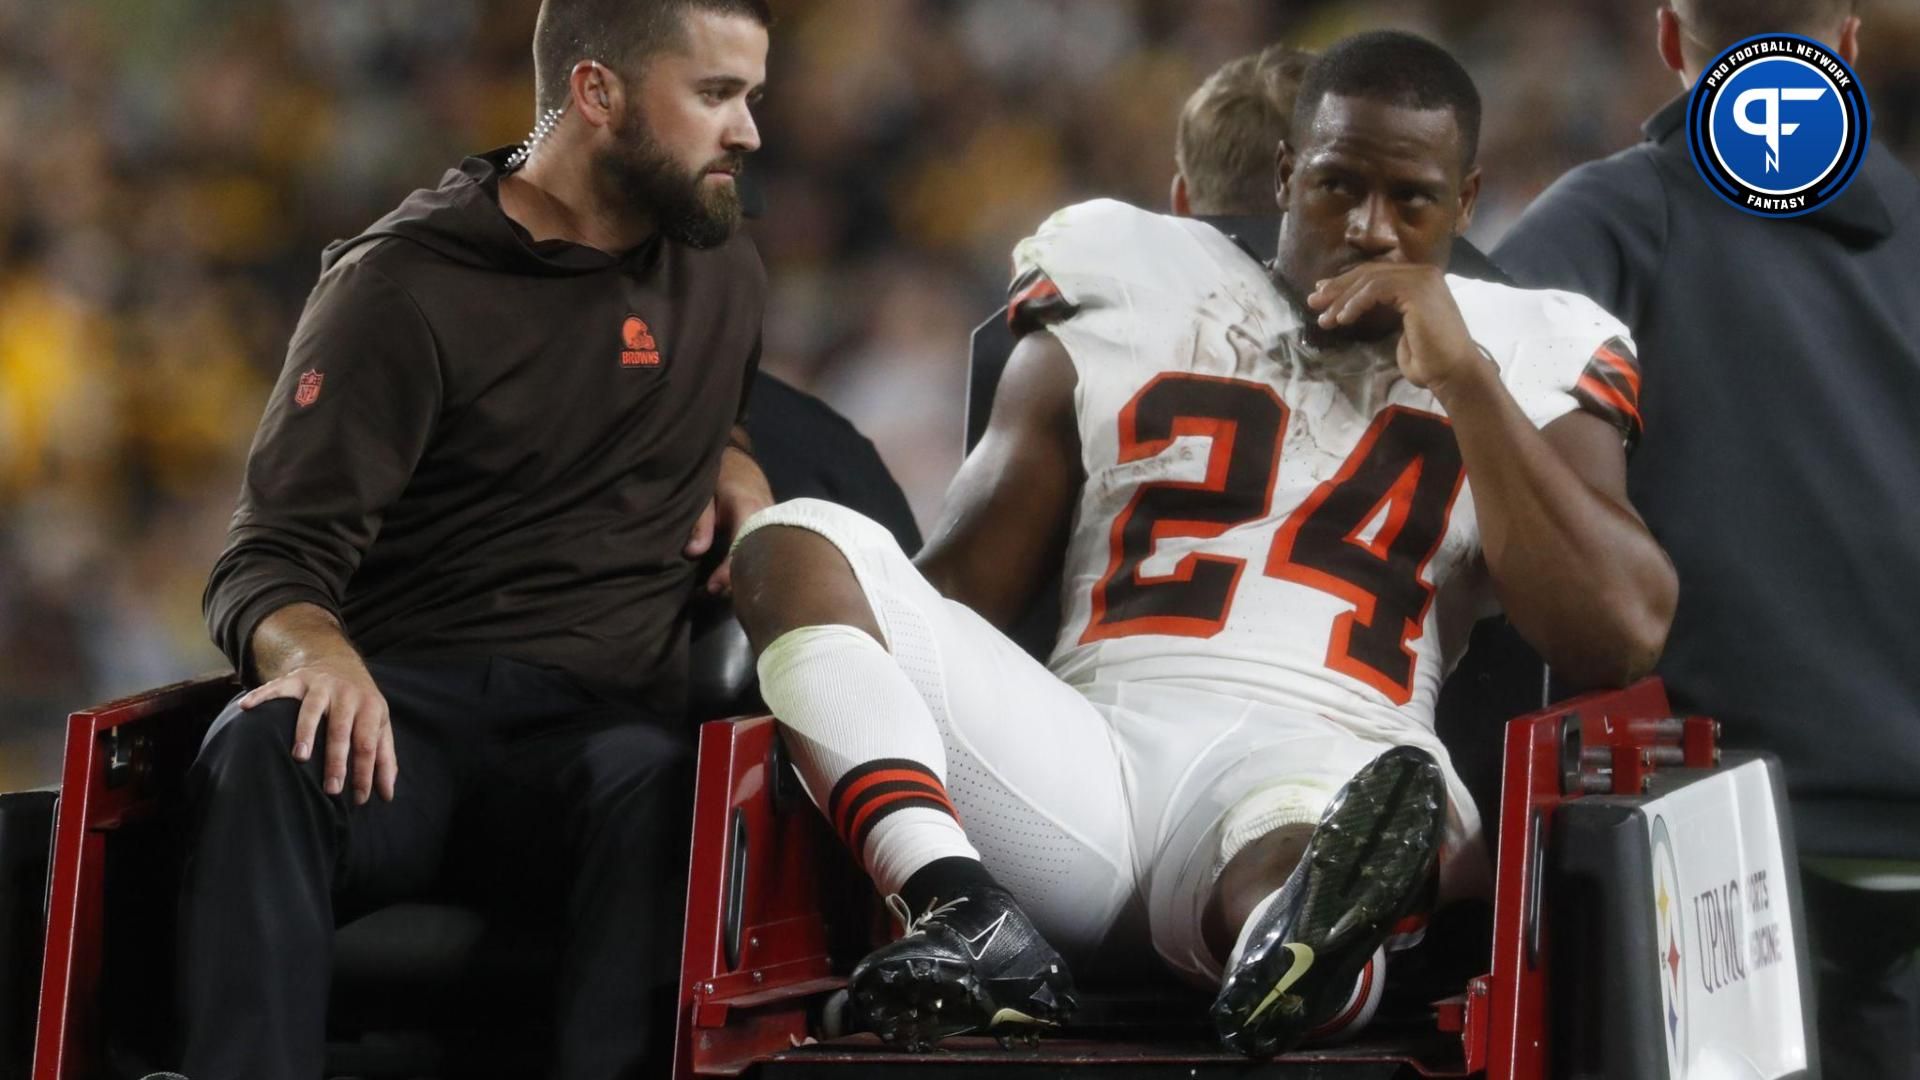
(740,493)
(1435,347)
(324,674)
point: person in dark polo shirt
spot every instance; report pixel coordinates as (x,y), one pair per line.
(1779,468)
(459,572)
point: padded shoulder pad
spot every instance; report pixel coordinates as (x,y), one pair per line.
(1526,314)
(1092,254)
(1558,351)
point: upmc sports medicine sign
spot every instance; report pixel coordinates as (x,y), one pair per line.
(1729,975)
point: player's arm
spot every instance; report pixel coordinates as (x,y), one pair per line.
(1580,576)
(1004,530)
(1575,568)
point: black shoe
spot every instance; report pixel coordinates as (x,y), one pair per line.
(1368,866)
(970,964)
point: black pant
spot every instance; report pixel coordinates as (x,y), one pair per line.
(1866,978)
(510,776)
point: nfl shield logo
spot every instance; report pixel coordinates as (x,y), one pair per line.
(309,390)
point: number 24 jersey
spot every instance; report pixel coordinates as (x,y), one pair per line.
(1261,518)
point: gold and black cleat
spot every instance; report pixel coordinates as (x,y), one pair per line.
(1369,864)
(973,964)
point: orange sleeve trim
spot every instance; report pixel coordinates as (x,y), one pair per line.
(1607,396)
(1627,371)
(1041,294)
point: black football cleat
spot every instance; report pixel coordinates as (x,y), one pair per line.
(1368,866)
(970,964)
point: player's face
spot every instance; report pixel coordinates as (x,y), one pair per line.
(1371,182)
(688,126)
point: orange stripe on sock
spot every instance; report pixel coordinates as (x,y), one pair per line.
(852,795)
(867,811)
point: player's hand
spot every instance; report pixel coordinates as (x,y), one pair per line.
(1435,347)
(339,689)
(740,493)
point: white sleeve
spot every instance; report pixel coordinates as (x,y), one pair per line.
(1563,352)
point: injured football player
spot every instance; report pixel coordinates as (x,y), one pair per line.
(1276,497)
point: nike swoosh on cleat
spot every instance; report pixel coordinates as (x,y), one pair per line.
(989,933)
(1302,960)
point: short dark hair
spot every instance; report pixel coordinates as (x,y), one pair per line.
(1715,24)
(618,33)
(1399,69)
(1231,126)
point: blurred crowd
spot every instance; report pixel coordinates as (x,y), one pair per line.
(171,169)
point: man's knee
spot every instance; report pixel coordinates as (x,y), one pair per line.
(792,571)
(246,748)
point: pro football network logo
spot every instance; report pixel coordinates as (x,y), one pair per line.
(1670,934)
(1778,125)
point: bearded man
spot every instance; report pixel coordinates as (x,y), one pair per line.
(506,431)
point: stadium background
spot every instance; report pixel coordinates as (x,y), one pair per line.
(170,170)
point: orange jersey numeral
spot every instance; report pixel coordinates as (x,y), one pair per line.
(1365,536)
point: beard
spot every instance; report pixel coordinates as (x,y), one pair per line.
(638,172)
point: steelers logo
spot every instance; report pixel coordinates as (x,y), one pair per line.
(1670,935)
(1777,125)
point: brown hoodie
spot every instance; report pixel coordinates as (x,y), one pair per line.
(486,446)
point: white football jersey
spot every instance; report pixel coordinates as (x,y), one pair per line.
(1261,518)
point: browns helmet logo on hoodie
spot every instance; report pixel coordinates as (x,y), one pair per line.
(638,348)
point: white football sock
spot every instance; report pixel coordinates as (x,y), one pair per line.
(866,748)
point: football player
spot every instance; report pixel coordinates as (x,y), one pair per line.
(1256,478)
